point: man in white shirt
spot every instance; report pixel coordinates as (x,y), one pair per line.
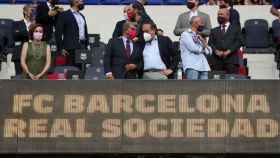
(71,31)
(193,49)
(158,54)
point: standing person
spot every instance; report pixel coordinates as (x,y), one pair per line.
(46,15)
(22,26)
(183,22)
(275,8)
(35,55)
(21,33)
(138,5)
(158,54)
(225,41)
(71,31)
(193,49)
(129,16)
(234,14)
(123,56)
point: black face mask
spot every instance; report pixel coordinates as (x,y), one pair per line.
(200,28)
(221,20)
(190,5)
(81,6)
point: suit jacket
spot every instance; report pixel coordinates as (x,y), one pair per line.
(43,18)
(234,17)
(183,23)
(231,40)
(67,31)
(115,59)
(21,33)
(167,53)
(118,29)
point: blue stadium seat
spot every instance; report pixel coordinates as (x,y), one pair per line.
(127,1)
(175,2)
(91,2)
(156,2)
(4,1)
(110,2)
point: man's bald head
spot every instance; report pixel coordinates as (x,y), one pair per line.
(196,22)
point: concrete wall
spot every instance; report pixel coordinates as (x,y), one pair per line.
(102,19)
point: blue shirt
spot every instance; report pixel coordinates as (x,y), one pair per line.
(192,52)
(276,4)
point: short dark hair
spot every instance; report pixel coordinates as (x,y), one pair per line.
(32,29)
(71,2)
(151,23)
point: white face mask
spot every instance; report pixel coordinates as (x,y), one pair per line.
(147,37)
(125,16)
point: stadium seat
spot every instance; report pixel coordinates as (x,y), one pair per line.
(110,2)
(257,38)
(174,2)
(127,1)
(155,2)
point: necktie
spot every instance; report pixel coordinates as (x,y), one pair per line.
(224,29)
(127,48)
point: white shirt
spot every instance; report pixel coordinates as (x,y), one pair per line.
(27,24)
(193,13)
(49,5)
(226,28)
(130,43)
(81,24)
(151,54)
(192,52)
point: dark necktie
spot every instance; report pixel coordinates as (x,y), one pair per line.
(127,48)
(224,29)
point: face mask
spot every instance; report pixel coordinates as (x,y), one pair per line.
(37,36)
(125,16)
(81,6)
(221,20)
(147,37)
(132,34)
(200,28)
(130,16)
(190,5)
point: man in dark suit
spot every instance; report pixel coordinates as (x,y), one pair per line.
(71,31)
(21,34)
(234,14)
(225,41)
(158,54)
(46,15)
(129,16)
(123,56)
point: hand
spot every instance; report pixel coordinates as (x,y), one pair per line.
(110,77)
(219,53)
(135,39)
(31,76)
(64,52)
(166,72)
(226,53)
(203,41)
(37,77)
(129,67)
(52,13)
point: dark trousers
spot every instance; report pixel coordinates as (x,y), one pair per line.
(71,59)
(227,67)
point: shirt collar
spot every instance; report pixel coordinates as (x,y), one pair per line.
(74,11)
(49,5)
(227,24)
(194,12)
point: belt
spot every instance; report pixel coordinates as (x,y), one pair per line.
(152,70)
